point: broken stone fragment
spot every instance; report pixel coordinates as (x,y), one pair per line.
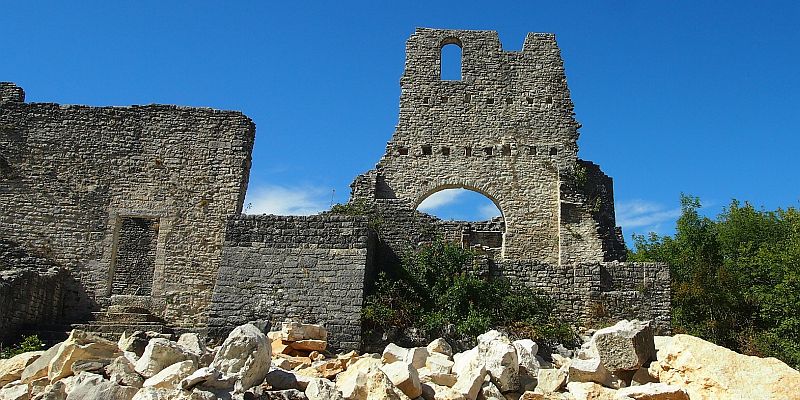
(192,343)
(171,376)
(294,331)
(499,356)
(551,380)
(245,353)
(159,354)
(443,379)
(416,356)
(309,345)
(590,391)
(653,391)
(490,392)
(626,346)
(592,371)
(470,380)
(432,391)
(322,389)
(38,368)
(440,346)
(80,346)
(352,382)
(404,377)
(526,354)
(393,352)
(11,369)
(439,363)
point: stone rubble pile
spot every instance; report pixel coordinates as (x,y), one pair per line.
(621,362)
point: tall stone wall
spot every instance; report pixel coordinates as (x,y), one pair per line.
(507,130)
(70,176)
(311,269)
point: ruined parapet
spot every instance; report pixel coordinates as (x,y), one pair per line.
(132,201)
(11,92)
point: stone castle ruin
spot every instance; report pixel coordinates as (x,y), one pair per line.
(118,218)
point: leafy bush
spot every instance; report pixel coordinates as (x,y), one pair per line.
(435,290)
(29,343)
(736,279)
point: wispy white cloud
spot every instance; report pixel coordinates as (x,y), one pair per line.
(488,211)
(283,200)
(644,216)
(439,199)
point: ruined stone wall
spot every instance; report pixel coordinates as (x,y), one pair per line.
(70,175)
(592,294)
(505,130)
(312,269)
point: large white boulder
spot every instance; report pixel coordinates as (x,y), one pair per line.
(89,386)
(159,354)
(292,331)
(526,354)
(404,377)
(80,346)
(246,354)
(592,370)
(499,356)
(626,346)
(708,371)
(11,368)
(440,346)
(470,380)
(122,372)
(393,352)
(38,368)
(171,376)
(352,383)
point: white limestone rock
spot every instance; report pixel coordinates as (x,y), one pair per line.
(322,389)
(404,377)
(439,363)
(352,383)
(440,346)
(416,356)
(470,380)
(526,355)
(499,356)
(592,371)
(192,343)
(393,352)
(655,391)
(171,376)
(245,354)
(11,369)
(80,346)
(38,368)
(292,331)
(159,354)
(122,372)
(15,390)
(432,391)
(89,386)
(626,346)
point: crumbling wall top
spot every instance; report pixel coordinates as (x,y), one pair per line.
(11,92)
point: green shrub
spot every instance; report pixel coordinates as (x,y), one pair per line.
(29,343)
(434,288)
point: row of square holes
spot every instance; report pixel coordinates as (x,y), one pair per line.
(489,150)
(509,100)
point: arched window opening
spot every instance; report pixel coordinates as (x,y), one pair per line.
(451,62)
(469,218)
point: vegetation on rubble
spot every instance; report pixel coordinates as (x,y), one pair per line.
(736,278)
(29,343)
(435,290)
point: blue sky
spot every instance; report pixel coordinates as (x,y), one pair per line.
(674,96)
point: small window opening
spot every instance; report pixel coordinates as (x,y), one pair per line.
(426,150)
(445,151)
(488,150)
(531,150)
(489,101)
(548,100)
(467,151)
(451,62)
(467,98)
(444,99)
(529,100)
(553,151)
(509,101)
(426,100)
(403,151)
(506,150)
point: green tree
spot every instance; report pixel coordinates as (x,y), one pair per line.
(735,279)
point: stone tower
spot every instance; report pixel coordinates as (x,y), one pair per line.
(506,130)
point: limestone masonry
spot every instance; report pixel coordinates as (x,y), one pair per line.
(129,217)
